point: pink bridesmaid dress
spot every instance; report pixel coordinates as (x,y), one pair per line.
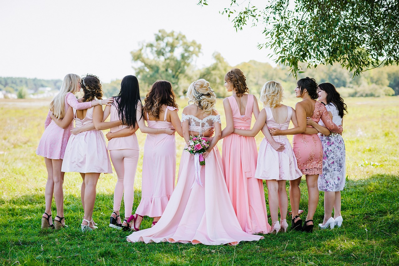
(198,214)
(54,140)
(159,169)
(308,149)
(239,162)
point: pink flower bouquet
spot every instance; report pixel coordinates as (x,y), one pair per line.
(198,145)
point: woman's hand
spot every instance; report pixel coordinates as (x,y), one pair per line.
(107,101)
(309,121)
(53,116)
(274,131)
(278,146)
(169,131)
(209,132)
(109,136)
(76,130)
(205,154)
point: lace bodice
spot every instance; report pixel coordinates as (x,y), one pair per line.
(201,125)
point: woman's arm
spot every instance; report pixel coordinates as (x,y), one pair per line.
(86,127)
(145,129)
(308,131)
(66,121)
(301,120)
(175,120)
(325,117)
(260,122)
(125,132)
(107,111)
(255,109)
(186,130)
(316,127)
(215,139)
(74,103)
(97,116)
(229,119)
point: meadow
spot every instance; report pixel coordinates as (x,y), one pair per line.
(370,208)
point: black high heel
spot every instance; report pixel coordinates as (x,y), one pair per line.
(58,223)
(46,221)
(113,222)
(296,225)
(308,228)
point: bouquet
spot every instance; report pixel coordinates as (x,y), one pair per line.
(198,146)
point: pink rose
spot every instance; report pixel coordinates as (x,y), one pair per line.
(194,139)
(197,147)
(204,139)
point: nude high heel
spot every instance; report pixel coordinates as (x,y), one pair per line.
(276,227)
(284,225)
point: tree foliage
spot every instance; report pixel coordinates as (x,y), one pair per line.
(215,74)
(29,83)
(166,58)
(358,34)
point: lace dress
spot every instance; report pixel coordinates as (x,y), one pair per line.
(198,214)
(308,149)
(333,176)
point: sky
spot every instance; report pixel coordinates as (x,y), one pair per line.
(49,39)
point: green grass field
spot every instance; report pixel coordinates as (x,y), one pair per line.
(369,235)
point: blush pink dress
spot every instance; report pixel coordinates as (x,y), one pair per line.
(86,152)
(274,165)
(159,169)
(239,162)
(308,149)
(198,214)
(54,140)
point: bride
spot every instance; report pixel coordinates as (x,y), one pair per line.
(198,211)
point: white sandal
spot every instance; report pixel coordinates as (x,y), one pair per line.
(86,227)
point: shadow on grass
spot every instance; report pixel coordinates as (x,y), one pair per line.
(369,234)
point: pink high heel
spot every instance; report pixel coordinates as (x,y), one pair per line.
(154,223)
(134,218)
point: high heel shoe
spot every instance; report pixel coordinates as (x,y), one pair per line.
(308,228)
(113,222)
(46,221)
(296,225)
(330,223)
(130,225)
(338,221)
(58,223)
(86,227)
(276,227)
(284,225)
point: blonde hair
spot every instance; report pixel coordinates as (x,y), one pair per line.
(271,94)
(70,84)
(201,94)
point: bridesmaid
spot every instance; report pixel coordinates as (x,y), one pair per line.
(275,165)
(332,180)
(53,143)
(307,148)
(86,153)
(240,154)
(199,210)
(159,160)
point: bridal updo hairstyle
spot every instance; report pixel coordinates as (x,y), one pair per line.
(310,85)
(91,86)
(161,93)
(238,79)
(201,94)
(271,94)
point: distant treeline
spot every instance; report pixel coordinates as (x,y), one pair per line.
(12,85)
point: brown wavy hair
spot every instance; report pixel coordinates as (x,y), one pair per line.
(238,79)
(161,93)
(91,86)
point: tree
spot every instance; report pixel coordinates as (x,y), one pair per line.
(113,88)
(167,58)
(215,74)
(358,34)
(22,93)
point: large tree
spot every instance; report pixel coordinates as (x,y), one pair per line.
(166,58)
(358,34)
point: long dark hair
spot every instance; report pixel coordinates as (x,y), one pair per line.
(334,97)
(310,85)
(127,100)
(160,94)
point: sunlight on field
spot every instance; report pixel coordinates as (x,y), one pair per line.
(371,132)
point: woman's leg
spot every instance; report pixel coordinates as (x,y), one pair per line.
(329,200)
(91,180)
(48,193)
(82,190)
(58,178)
(337,204)
(295,196)
(272,187)
(283,199)
(117,157)
(130,165)
(313,192)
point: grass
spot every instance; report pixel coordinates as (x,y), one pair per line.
(369,235)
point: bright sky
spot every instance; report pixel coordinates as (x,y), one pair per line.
(49,39)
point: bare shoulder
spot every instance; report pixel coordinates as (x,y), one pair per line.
(215,112)
(190,109)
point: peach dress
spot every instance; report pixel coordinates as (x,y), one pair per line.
(239,162)
(308,149)
(198,214)
(159,169)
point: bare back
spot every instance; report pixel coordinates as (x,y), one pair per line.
(280,114)
(148,116)
(308,106)
(241,103)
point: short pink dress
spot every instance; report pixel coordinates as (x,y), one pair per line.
(198,214)
(274,165)
(86,152)
(159,169)
(239,156)
(308,149)
(54,140)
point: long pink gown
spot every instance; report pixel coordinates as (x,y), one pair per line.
(198,214)
(159,169)
(54,140)
(239,161)
(308,149)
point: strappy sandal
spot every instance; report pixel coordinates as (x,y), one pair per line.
(58,223)
(133,218)
(154,223)
(113,222)
(296,225)
(46,222)
(308,228)
(86,227)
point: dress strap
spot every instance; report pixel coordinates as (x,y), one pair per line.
(148,117)
(250,104)
(166,112)
(233,104)
(269,113)
(289,114)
